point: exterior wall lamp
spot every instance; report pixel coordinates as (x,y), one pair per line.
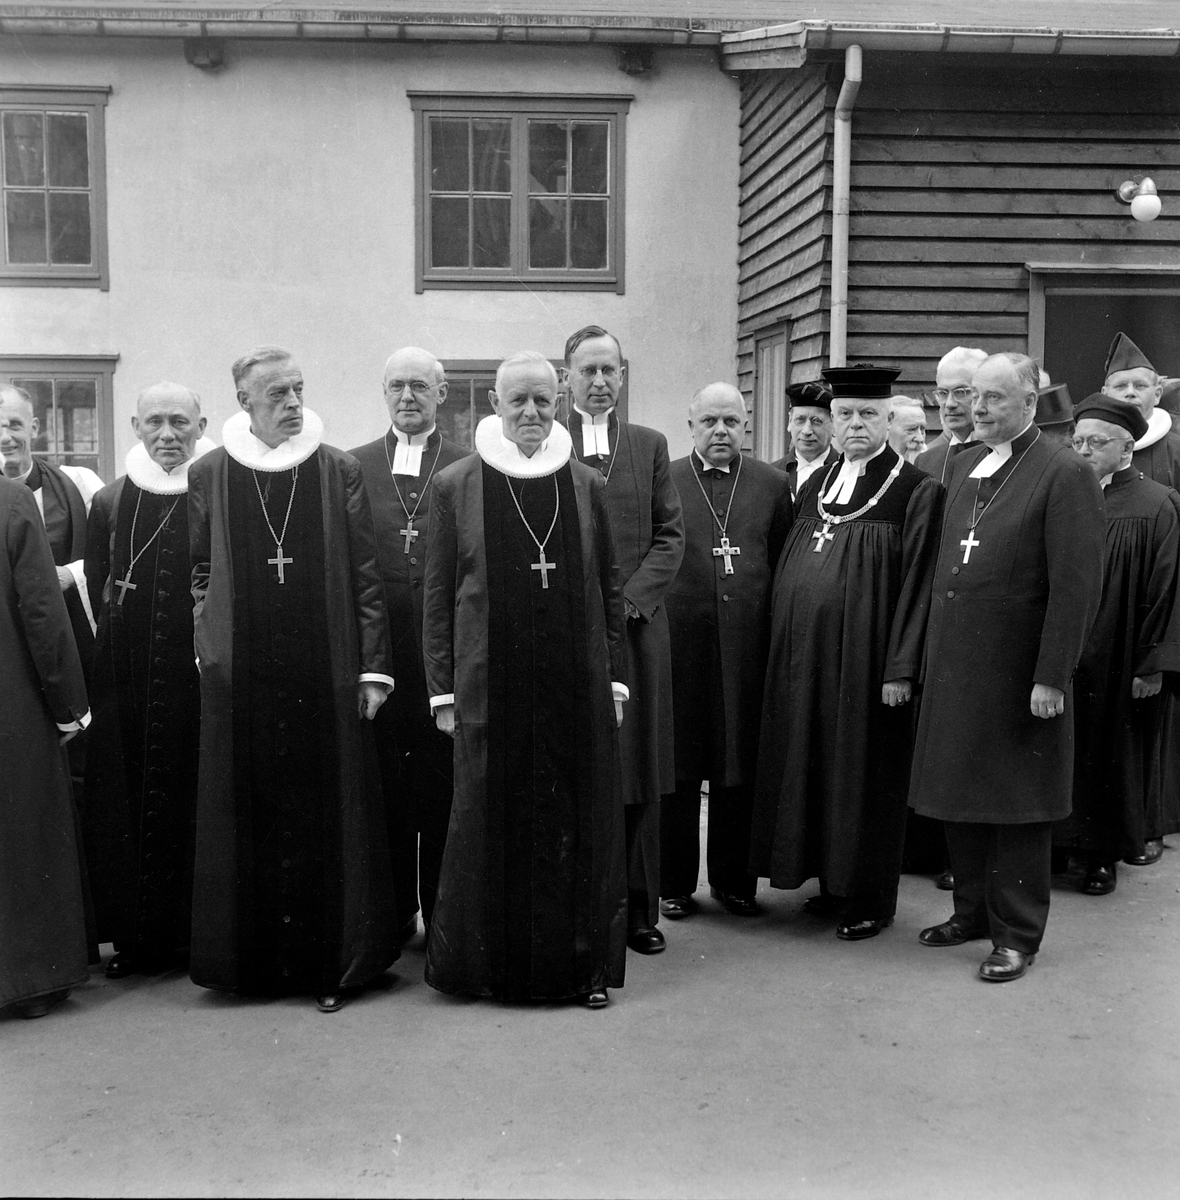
(1140,193)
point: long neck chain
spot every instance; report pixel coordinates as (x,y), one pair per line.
(979,482)
(723,526)
(279,538)
(552,525)
(829,519)
(159,529)
(422,495)
(618,438)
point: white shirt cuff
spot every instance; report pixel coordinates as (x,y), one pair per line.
(620,691)
(440,701)
(375,677)
(73,726)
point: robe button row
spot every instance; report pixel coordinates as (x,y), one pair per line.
(414,562)
(724,595)
(954,570)
(950,595)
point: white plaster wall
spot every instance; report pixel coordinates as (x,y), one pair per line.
(273,201)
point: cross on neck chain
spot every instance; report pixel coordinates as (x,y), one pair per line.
(970,542)
(829,519)
(278,561)
(125,585)
(541,564)
(410,533)
(725,550)
(618,438)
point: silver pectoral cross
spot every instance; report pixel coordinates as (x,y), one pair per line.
(544,567)
(279,561)
(823,535)
(726,551)
(409,533)
(125,586)
(968,543)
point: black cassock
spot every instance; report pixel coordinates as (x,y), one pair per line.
(1117,785)
(141,771)
(848,616)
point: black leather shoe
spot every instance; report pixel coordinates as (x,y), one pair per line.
(740,906)
(949,933)
(646,941)
(822,905)
(857,931)
(596,999)
(333,1002)
(1003,964)
(1100,879)
(120,966)
(675,908)
(1152,852)
(42,1006)
(946,881)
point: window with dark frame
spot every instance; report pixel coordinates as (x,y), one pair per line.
(52,176)
(520,191)
(73,402)
(772,372)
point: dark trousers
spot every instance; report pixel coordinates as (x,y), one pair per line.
(728,849)
(643,865)
(878,905)
(1002,879)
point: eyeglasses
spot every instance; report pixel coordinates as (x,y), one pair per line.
(1095,442)
(608,372)
(961,394)
(418,386)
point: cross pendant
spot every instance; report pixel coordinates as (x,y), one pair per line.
(544,567)
(125,586)
(823,535)
(278,561)
(726,551)
(968,543)
(410,534)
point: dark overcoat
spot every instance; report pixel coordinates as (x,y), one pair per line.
(43,948)
(1017,613)
(720,624)
(648,528)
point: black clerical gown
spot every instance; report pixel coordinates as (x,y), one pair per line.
(416,758)
(292,886)
(141,770)
(720,624)
(1136,633)
(1013,610)
(1161,460)
(43,948)
(848,616)
(938,458)
(532,898)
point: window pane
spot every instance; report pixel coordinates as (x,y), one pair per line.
(588,234)
(448,232)
(448,156)
(546,233)
(453,417)
(492,155)
(77,403)
(69,160)
(25,217)
(24,149)
(490,235)
(547,156)
(41,394)
(69,227)
(590,171)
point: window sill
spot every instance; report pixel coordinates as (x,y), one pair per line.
(18,279)
(590,283)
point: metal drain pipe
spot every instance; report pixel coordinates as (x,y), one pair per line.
(841,190)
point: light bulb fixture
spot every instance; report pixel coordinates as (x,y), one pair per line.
(1140,193)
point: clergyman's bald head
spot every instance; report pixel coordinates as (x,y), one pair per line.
(409,360)
(168,422)
(717,420)
(716,393)
(171,393)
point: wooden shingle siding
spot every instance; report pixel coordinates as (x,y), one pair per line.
(785,214)
(964,171)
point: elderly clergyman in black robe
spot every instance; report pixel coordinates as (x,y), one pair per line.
(141,772)
(847,627)
(523,644)
(293,890)
(1135,640)
(1016,589)
(648,530)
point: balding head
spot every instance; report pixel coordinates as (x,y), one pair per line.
(18,428)
(717,420)
(415,384)
(168,421)
(907,430)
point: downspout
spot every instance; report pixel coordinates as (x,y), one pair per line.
(841,190)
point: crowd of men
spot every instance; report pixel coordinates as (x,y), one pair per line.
(310,694)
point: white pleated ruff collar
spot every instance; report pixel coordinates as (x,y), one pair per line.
(147,474)
(506,457)
(1159,425)
(243,447)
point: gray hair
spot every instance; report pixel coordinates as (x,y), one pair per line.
(164,383)
(440,374)
(1028,370)
(253,358)
(533,357)
(22,396)
(968,357)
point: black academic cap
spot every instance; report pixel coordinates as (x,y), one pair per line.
(1118,412)
(1124,355)
(864,381)
(813,394)
(1054,407)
